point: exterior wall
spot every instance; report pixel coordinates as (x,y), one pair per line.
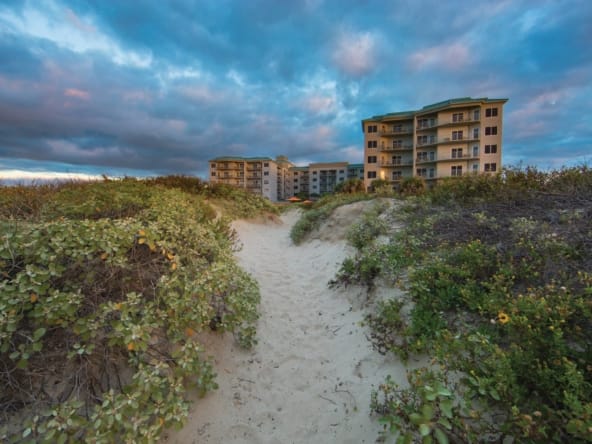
(323,177)
(450,138)
(280,179)
(270,180)
(355,171)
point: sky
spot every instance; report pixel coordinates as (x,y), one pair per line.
(152,87)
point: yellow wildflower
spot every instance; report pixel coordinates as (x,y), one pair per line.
(503,318)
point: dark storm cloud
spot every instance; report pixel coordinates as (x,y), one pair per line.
(164,86)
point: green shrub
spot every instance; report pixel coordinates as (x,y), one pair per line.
(106,289)
(502,301)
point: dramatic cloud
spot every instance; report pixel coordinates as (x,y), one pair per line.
(152,87)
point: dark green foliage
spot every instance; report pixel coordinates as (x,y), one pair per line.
(502,298)
(106,287)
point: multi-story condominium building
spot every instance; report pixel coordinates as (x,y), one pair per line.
(449,138)
(279,179)
(299,183)
(258,175)
(355,171)
(324,176)
(284,188)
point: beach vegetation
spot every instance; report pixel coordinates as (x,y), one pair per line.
(496,273)
(107,290)
(314,215)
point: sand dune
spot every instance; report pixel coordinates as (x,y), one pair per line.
(309,378)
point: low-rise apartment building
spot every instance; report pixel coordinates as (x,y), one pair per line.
(449,138)
(280,179)
(258,175)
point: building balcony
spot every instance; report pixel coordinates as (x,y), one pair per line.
(463,121)
(229,166)
(388,149)
(420,160)
(466,156)
(401,163)
(406,130)
(448,140)
(427,126)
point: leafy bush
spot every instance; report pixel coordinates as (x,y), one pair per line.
(502,301)
(106,289)
(350,186)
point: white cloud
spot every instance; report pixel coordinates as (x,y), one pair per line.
(451,57)
(355,53)
(63,27)
(28,176)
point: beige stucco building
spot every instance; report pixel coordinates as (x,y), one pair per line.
(449,138)
(280,179)
(257,174)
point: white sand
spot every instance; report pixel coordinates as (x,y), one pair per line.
(309,378)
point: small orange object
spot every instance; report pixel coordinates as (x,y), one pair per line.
(118,306)
(104,256)
(33,298)
(173,266)
(189,332)
(131,346)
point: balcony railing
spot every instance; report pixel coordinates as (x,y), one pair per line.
(436,141)
(231,166)
(396,131)
(396,148)
(463,156)
(386,163)
(462,121)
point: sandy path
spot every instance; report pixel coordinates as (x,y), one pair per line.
(309,378)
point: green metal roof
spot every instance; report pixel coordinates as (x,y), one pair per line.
(240,159)
(460,101)
(432,107)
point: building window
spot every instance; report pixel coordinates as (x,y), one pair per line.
(422,123)
(422,140)
(457,117)
(213,173)
(372,128)
(341,171)
(456,170)
(457,153)
(266,164)
(475,133)
(432,173)
(475,150)
(397,143)
(372,144)
(490,149)
(314,180)
(396,160)
(476,114)
(421,172)
(213,165)
(491,112)
(371,175)
(266,173)
(491,167)
(422,156)
(266,182)
(457,135)
(397,175)
(491,130)
(475,167)
(371,159)
(432,155)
